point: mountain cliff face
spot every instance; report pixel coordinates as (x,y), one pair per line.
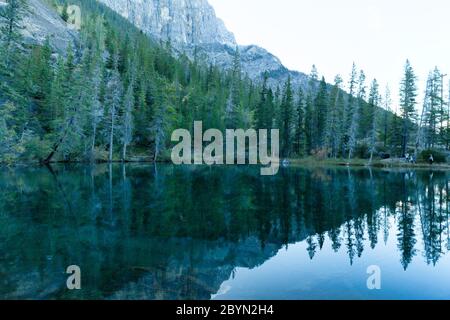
(192,26)
(190,22)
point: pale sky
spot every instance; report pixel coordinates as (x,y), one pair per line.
(379,35)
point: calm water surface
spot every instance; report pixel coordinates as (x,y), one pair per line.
(165,232)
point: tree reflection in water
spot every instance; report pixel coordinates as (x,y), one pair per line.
(164,232)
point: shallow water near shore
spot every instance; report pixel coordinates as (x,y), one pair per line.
(143,231)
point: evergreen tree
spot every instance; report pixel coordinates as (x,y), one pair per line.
(161,120)
(309,110)
(234,106)
(11,16)
(387,112)
(261,111)
(300,136)
(373,105)
(10,146)
(356,115)
(313,79)
(127,122)
(113,99)
(408,94)
(349,111)
(433,106)
(395,135)
(40,76)
(59,93)
(98,45)
(335,118)
(320,111)
(362,88)
(287,120)
(309,125)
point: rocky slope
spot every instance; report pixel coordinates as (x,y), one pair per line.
(43,22)
(192,25)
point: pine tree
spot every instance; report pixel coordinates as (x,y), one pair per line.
(309,110)
(387,103)
(362,88)
(395,134)
(300,136)
(143,112)
(320,111)
(97,39)
(11,16)
(356,115)
(58,94)
(261,111)
(287,123)
(408,94)
(113,101)
(40,76)
(333,133)
(313,79)
(434,109)
(309,125)
(373,105)
(128,104)
(349,111)
(233,108)
(10,147)
(163,114)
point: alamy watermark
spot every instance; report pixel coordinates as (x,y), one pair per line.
(374,280)
(240,146)
(74,280)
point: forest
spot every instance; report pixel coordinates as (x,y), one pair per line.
(117,95)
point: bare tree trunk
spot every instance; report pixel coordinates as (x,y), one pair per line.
(156,154)
(124,153)
(94,134)
(111,136)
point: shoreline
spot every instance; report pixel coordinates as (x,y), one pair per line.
(299,163)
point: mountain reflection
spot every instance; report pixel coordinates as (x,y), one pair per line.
(164,232)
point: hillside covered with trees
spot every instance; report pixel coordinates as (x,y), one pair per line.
(117,95)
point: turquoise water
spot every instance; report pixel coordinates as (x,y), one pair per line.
(165,232)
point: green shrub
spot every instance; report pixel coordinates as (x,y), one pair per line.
(362,151)
(439,157)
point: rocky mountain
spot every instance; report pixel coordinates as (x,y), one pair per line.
(182,21)
(192,26)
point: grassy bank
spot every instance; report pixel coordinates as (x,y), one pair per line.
(377,163)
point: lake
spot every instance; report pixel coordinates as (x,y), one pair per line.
(166,232)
